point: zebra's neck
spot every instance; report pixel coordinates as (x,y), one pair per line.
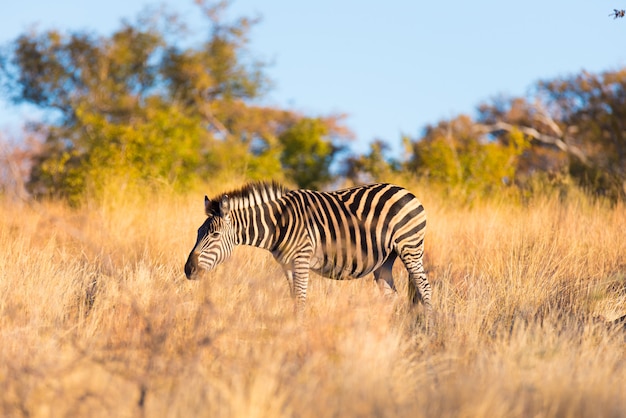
(254,211)
(256,226)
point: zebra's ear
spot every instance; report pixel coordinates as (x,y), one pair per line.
(224,206)
(207,205)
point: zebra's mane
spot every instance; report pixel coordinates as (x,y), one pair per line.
(250,195)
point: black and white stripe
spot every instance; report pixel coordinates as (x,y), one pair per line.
(342,234)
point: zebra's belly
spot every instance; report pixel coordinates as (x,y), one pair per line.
(344,268)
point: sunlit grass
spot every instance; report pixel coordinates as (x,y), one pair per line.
(97,318)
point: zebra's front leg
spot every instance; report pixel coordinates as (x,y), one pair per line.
(289,275)
(297,273)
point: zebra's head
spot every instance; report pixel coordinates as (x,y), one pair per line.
(216,238)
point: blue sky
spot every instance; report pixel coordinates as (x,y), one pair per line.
(394,66)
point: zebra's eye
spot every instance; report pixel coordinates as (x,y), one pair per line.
(215,234)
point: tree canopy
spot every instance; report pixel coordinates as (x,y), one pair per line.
(150,103)
(147,103)
(570,128)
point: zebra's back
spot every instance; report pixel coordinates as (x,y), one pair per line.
(353,231)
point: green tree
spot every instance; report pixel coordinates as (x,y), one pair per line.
(308,152)
(455,153)
(147,103)
(373,166)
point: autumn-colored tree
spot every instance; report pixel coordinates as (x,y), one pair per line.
(572,126)
(148,103)
(547,156)
(592,109)
(575,125)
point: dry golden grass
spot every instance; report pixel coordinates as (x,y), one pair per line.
(97,319)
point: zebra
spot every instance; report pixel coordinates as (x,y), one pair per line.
(341,234)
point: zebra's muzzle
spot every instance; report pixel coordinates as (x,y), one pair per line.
(191,266)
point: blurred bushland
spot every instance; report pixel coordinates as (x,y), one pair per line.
(157,103)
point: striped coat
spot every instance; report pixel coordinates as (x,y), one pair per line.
(340,235)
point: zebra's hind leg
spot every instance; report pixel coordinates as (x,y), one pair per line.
(419,287)
(384,277)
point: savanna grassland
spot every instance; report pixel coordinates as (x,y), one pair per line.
(97,318)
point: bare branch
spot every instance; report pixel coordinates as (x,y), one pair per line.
(543,117)
(544,139)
